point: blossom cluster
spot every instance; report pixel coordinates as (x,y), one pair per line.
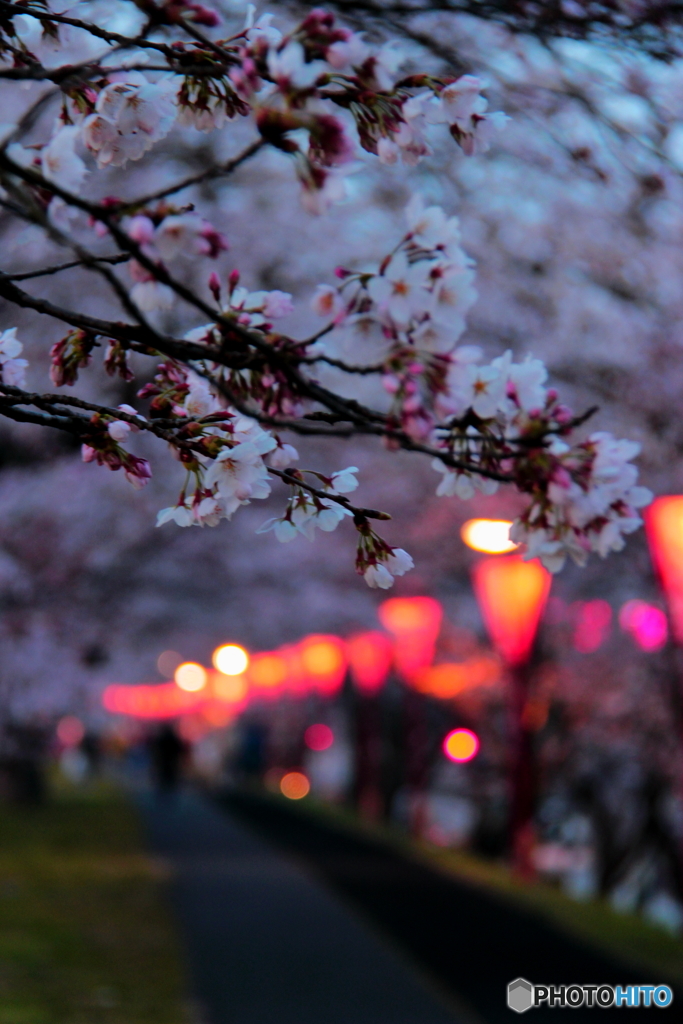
(294,86)
(487,421)
(414,307)
(163,233)
(584,496)
(229,461)
(319,94)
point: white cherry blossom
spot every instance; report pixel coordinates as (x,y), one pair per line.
(378,577)
(289,68)
(12,368)
(344,480)
(59,161)
(401,290)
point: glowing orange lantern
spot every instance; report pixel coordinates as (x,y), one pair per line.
(370,656)
(230,689)
(511,594)
(415,623)
(267,673)
(323,659)
(664,526)
(450,679)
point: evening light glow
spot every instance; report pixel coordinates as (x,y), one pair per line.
(295,786)
(230,659)
(190,677)
(492,536)
(461,745)
(70,731)
(318,737)
(647,624)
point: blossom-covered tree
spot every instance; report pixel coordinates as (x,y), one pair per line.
(122,80)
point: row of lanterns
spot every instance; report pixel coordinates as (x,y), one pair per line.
(511,593)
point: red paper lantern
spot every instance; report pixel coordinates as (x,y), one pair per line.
(323,661)
(664,527)
(370,657)
(511,594)
(267,674)
(415,623)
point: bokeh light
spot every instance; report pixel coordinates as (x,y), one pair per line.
(168,662)
(591,624)
(295,786)
(646,623)
(318,737)
(70,731)
(190,676)
(450,679)
(461,745)
(230,659)
(231,689)
(492,536)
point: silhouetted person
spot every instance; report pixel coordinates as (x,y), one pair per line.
(167,752)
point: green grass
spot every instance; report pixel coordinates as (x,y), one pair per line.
(627,937)
(85,937)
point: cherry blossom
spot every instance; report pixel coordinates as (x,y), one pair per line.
(59,161)
(129,118)
(12,368)
(232,380)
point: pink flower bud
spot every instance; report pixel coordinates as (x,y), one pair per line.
(562,414)
(215,285)
(141,230)
(203,16)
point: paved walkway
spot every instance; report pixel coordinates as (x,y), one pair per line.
(266,942)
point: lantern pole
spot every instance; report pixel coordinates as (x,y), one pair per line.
(512,594)
(370,658)
(522,772)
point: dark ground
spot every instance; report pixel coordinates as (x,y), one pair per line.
(469,941)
